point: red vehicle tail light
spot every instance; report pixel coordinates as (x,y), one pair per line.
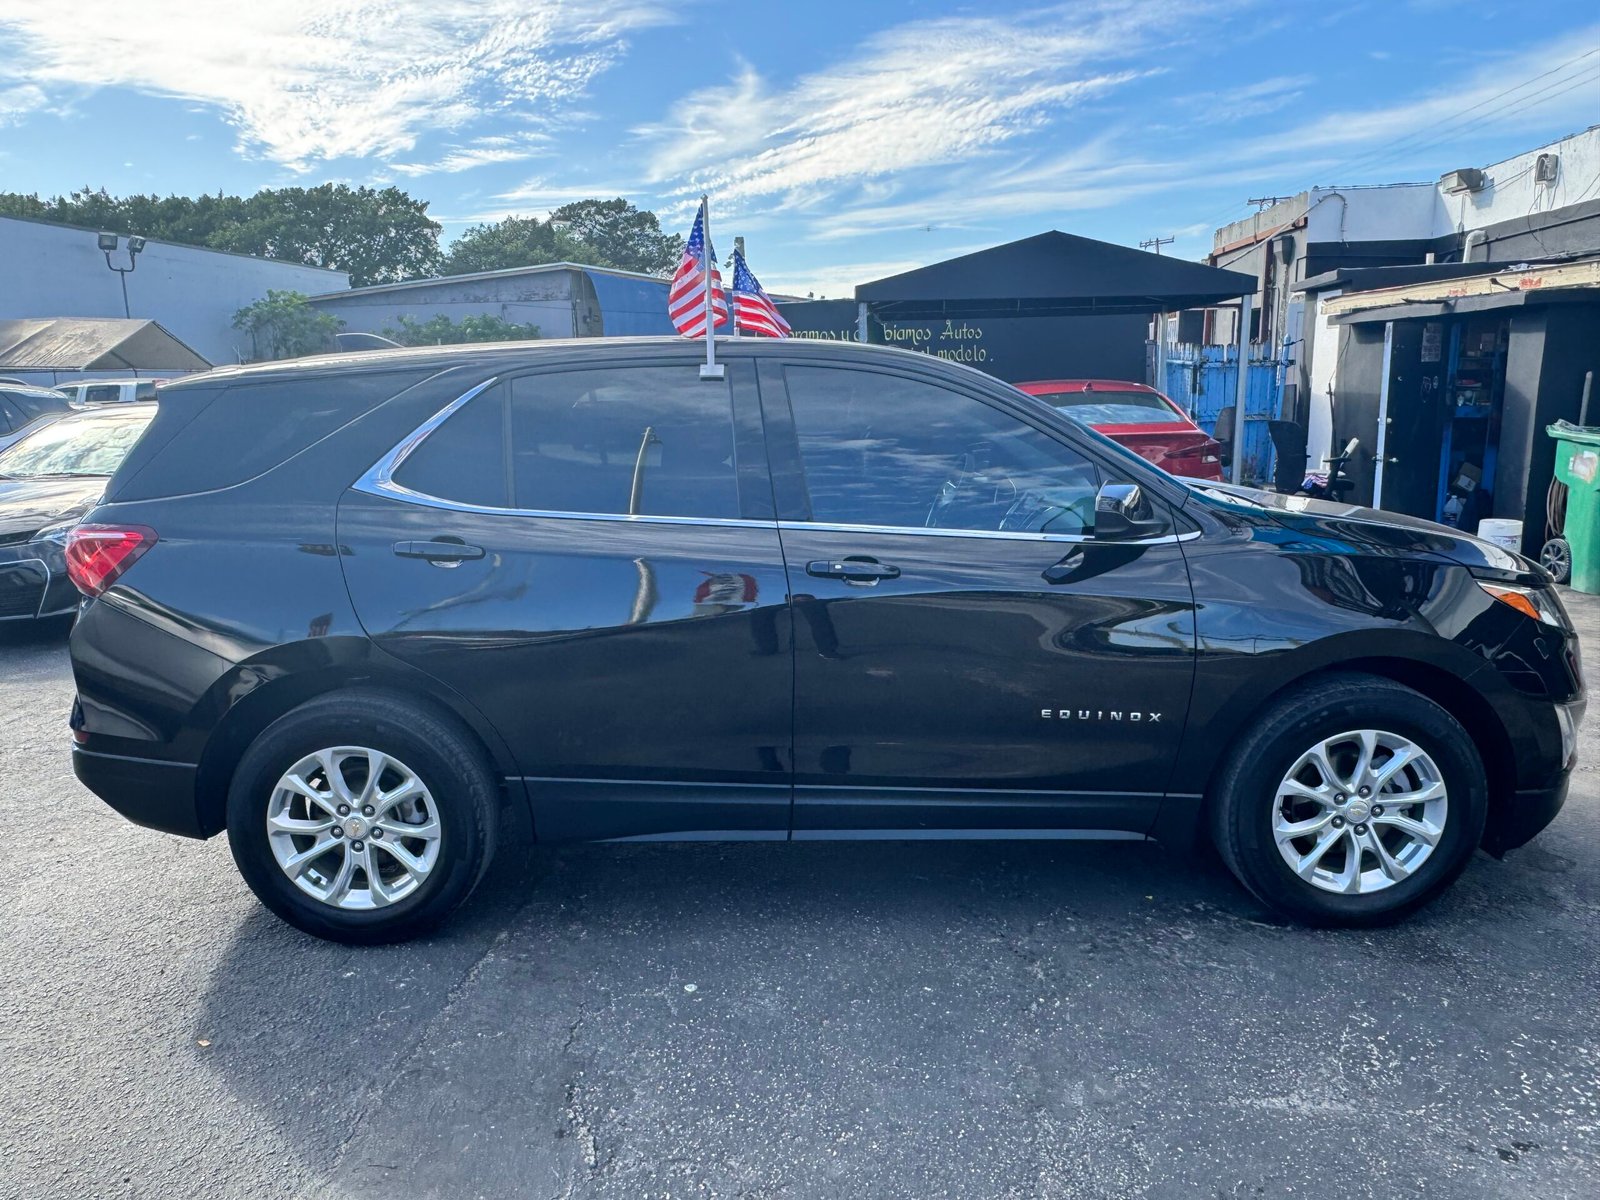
(97,555)
(1205,451)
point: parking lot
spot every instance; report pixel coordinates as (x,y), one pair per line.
(964,1020)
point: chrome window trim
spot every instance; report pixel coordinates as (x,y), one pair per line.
(379,481)
(1009,535)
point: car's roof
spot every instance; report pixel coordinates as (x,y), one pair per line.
(509,354)
(30,389)
(113,412)
(1085,385)
(93,382)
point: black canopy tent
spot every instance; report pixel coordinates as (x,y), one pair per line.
(1051,274)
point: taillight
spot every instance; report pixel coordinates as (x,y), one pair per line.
(97,555)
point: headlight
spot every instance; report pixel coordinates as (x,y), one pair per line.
(1530,602)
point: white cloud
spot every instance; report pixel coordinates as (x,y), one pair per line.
(480,152)
(921,96)
(18,102)
(305,81)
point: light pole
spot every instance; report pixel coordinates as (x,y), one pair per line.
(108,246)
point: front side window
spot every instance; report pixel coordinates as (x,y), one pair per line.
(623,441)
(884,450)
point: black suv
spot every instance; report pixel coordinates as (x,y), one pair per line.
(348,608)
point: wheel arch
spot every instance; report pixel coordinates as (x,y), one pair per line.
(1458,696)
(256,693)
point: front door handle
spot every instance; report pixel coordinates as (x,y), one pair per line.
(438,551)
(855,569)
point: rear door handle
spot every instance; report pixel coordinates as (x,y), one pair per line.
(438,552)
(856,570)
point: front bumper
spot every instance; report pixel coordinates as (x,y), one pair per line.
(1528,811)
(160,795)
(34,583)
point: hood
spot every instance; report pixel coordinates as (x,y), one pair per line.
(28,505)
(1371,530)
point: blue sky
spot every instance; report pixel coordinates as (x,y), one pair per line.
(844,140)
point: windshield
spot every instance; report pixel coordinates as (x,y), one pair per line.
(1106,407)
(73,447)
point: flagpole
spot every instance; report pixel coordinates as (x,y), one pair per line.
(710,369)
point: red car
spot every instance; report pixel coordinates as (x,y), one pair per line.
(1138,417)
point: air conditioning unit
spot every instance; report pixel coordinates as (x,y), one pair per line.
(1468,179)
(1545,168)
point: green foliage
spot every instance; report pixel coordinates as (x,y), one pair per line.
(620,235)
(378,235)
(601,233)
(442,331)
(284,325)
(513,242)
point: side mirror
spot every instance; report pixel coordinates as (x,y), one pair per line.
(1122,510)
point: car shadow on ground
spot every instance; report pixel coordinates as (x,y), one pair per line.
(41,634)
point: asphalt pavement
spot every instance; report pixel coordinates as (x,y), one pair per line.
(811,1020)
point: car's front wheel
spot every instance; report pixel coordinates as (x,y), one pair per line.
(1352,801)
(361,818)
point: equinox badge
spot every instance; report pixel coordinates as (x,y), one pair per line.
(1099,714)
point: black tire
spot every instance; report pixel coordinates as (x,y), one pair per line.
(435,747)
(1556,557)
(1244,795)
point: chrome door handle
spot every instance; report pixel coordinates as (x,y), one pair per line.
(438,551)
(855,570)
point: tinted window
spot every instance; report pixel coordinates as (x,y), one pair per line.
(883,450)
(10,418)
(465,458)
(102,394)
(36,404)
(1106,407)
(637,440)
(219,438)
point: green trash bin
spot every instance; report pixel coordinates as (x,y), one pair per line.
(1578,466)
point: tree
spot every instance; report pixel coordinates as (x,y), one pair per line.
(284,325)
(601,233)
(377,235)
(442,331)
(621,235)
(513,242)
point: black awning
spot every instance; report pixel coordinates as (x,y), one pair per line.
(1052,274)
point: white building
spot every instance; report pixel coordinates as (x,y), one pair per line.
(1541,205)
(49,270)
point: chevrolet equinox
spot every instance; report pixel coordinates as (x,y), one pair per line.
(350,608)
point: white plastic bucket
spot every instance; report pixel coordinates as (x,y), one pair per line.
(1503,532)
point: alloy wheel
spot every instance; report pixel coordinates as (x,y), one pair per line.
(1360,811)
(353,827)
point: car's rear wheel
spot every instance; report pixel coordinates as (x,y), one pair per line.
(362,818)
(1352,801)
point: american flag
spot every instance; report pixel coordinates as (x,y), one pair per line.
(752,307)
(686,300)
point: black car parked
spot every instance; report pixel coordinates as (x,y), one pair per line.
(22,407)
(49,478)
(347,608)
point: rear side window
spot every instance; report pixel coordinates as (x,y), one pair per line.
(31,405)
(465,459)
(645,441)
(106,393)
(654,441)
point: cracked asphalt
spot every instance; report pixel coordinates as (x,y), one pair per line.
(811,1020)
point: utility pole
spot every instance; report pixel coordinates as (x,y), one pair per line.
(1156,243)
